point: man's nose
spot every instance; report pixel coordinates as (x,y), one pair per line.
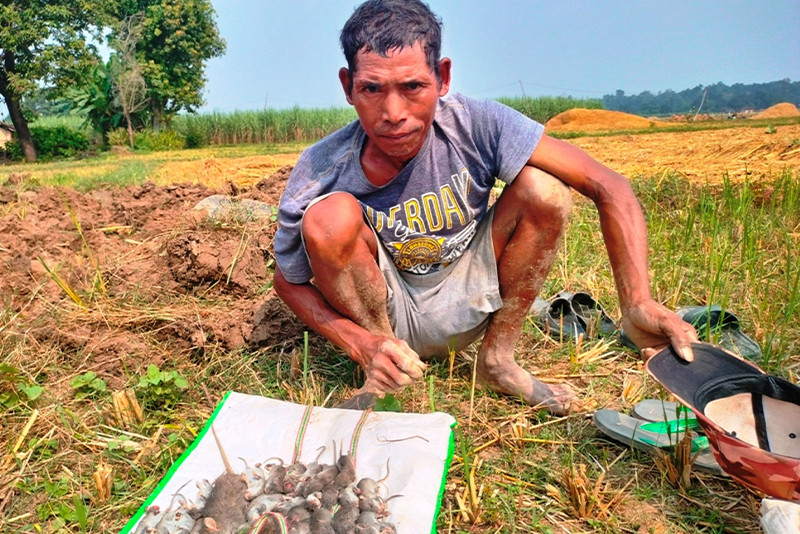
(394,107)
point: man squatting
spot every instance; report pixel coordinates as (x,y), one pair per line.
(387,245)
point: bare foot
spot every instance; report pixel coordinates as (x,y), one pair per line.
(515,381)
(555,398)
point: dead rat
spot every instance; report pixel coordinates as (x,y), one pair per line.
(224,512)
(275,479)
(347,470)
(148,524)
(261,505)
(344,520)
(254,479)
(321,521)
(294,474)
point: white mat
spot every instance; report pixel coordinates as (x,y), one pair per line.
(418,447)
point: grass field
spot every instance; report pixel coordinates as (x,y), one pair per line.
(71,465)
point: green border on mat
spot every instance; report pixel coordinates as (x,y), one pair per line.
(139,513)
(450,450)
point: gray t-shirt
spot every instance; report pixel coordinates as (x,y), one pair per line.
(427,215)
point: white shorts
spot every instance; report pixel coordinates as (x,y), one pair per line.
(448,309)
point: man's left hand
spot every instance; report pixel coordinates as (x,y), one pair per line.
(652,327)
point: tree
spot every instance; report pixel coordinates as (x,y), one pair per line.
(43,43)
(178,37)
(130,89)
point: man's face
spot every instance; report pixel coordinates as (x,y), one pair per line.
(395,98)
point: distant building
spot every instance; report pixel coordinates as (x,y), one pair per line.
(6,133)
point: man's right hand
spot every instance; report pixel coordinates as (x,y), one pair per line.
(389,364)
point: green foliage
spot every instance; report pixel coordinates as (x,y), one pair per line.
(93,100)
(177,40)
(267,126)
(162,388)
(15,388)
(118,137)
(87,385)
(160,140)
(544,108)
(148,139)
(52,143)
(721,98)
(388,403)
(48,42)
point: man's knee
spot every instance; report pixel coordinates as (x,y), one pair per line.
(334,225)
(545,195)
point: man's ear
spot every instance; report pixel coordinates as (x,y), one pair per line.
(444,75)
(344,79)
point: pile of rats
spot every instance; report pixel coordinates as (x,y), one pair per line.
(274,498)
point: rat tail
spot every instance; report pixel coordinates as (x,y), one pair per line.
(228,466)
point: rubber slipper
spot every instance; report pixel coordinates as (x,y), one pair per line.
(721,327)
(598,323)
(660,410)
(557,319)
(630,431)
(678,417)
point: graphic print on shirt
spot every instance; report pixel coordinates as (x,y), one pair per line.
(426,233)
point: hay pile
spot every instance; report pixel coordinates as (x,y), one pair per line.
(594,120)
(784,109)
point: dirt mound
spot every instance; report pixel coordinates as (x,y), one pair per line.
(593,120)
(141,247)
(784,109)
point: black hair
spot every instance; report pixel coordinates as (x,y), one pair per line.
(381,26)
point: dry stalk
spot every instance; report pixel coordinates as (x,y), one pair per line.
(127,409)
(102,480)
(633,388)
(27,428)
(585,499)
(63,284)
(677,464)
(469,500)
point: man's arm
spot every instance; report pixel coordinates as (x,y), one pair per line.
(388,362)
(649,324)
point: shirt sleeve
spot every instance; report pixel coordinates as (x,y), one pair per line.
(290,253)
(505,137)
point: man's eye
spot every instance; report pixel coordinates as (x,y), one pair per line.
(371,88)
(413,86)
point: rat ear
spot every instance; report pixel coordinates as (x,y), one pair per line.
(210,524)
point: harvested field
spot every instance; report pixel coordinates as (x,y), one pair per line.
(701,156)
(101,287)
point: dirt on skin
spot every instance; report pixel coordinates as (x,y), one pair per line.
(153,252)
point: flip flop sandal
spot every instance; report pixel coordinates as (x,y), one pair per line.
(678,417)
(647,436)
(557,319)
(598,323)
(660,410)
(712,322)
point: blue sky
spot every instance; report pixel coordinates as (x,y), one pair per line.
(282,53)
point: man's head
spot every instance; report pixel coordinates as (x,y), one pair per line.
(383,26)
(394,77)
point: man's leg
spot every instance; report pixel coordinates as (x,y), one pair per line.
(529,221)
(342,251)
